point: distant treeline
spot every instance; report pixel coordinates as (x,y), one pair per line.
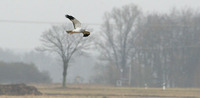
(42,61)
(150,50)
(22,73)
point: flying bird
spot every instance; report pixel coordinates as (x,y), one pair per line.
(77,27)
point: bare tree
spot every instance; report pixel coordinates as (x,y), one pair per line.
(118,27)
(64,45)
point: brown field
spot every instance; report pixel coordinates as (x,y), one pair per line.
(97,91)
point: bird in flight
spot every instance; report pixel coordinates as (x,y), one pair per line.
(77,27)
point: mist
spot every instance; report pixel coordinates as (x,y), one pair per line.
(131,45)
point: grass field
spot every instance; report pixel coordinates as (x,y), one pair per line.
(97,91)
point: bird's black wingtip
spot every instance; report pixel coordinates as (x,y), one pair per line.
(69,17)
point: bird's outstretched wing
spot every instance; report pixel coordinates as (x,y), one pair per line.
(75,22)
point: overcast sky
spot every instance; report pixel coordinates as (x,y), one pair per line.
(23,36)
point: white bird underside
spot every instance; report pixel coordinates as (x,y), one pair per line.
(77,27)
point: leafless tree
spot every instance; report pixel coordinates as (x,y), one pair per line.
(118,27)
(56,40)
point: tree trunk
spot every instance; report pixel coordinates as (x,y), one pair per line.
(64,78)
(65,65)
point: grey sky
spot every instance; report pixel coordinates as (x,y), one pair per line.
(25,36)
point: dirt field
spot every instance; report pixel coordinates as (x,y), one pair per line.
(94,91)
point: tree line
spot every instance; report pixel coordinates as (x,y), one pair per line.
(22,73)
(153,49)
(21,67)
